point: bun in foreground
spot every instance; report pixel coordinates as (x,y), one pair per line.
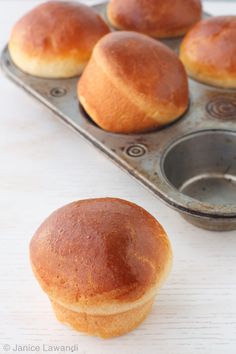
(101,262)
(56,39)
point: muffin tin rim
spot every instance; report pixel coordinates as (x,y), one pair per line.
(196,207)
(119,158)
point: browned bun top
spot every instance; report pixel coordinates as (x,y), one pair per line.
(133,83)
(145,65)
(57,30)
(209,51)
(98,251)
(157,18)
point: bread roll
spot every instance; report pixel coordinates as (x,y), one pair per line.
(209,51)
(156,18)
(133,84)
(55,39)
(101,262)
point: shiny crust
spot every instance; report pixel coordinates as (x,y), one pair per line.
(103,326)
(100,252)
(209,51)
(156,18)
(132,84)
(56,39)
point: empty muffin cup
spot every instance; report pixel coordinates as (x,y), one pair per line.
(202,167)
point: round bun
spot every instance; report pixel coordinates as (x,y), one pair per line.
(101,262)
(156,18)
(56,39)
(133,84)
(209,51)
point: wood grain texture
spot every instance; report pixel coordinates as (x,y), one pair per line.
(45,165)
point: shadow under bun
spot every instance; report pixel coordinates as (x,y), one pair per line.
(209,51)
(133,84)
(101,262)
(156,18)
(56,39)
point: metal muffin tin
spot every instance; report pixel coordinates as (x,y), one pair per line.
(190,164)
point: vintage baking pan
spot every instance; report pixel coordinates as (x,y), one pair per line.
(190,164)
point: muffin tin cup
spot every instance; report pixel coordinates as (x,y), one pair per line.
(190,164)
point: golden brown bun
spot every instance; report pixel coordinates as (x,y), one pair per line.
(156,18)
(209,51)
(133,84)
(101,262)
(56,39)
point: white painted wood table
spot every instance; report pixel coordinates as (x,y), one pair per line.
(44,165)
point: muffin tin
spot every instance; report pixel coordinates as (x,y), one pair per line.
(190,164)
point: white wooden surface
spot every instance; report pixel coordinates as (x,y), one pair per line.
(44,165)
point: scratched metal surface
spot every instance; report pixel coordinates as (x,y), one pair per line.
(141,155)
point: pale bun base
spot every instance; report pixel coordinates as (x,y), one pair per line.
(206,75)
(104,326)
(50,68)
